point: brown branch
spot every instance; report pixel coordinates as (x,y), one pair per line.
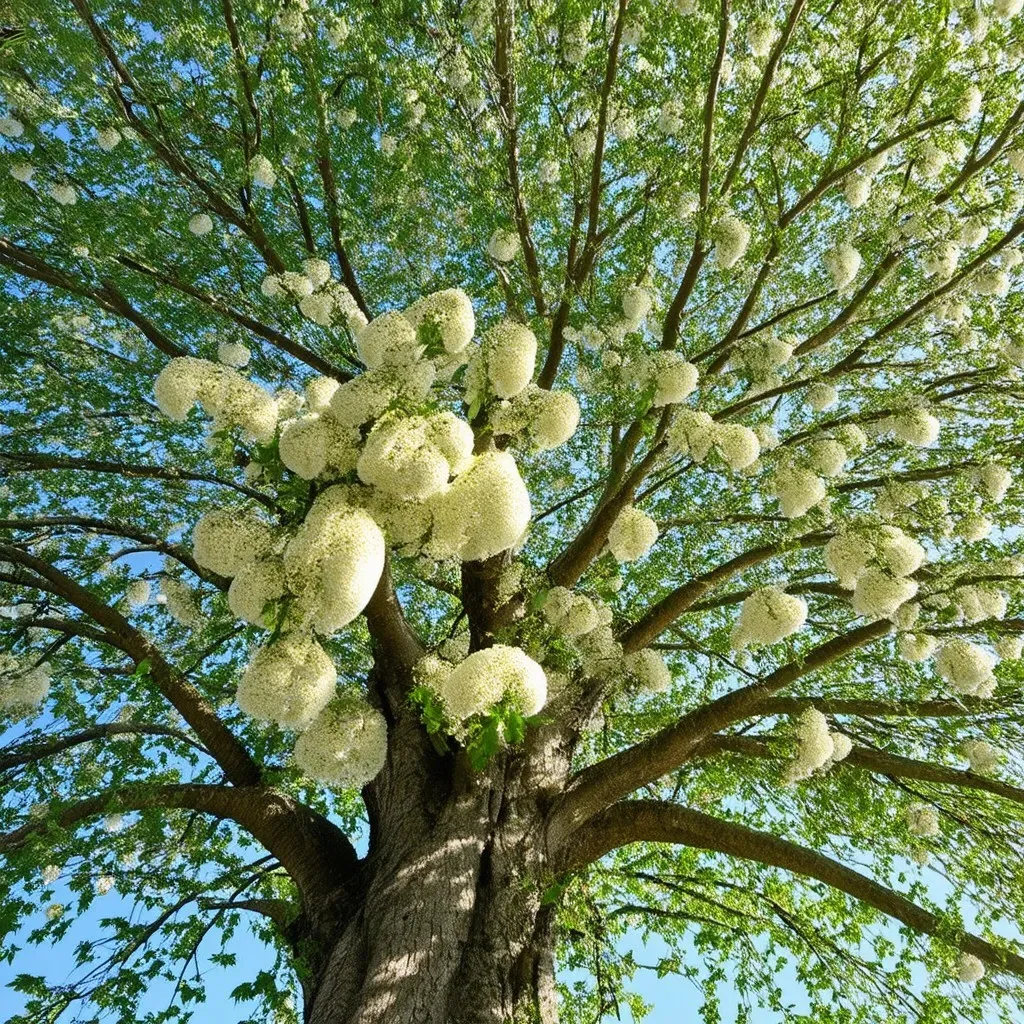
(27,753)
(21,462)
(657,822)
(222,744)
(600,785)
(868,708)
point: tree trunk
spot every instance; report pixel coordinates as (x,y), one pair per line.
(450,926)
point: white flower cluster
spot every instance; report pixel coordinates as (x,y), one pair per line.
(503,246)
(489,676)
(993,480)
(981,755)
(573,614)
(320,298)
(224,540)
(763,355)
(731,237)
(262,171)
(967,667)
(817,747)
(137,594)
(672,378)
(821,396)
(916,426)
(288,682)
(852,551)
(548,418)
(922,820)
(632,535)
(767,616)
(843,263)
(916,647)
(977,603)
(346,745)
(798,490)
(648,671)
(224,394)
(503,365)
(181,602)
(695,433)
(969,968)
(23,689)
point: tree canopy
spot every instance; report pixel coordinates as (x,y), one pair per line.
(578,441)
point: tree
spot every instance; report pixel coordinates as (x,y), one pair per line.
(573,448)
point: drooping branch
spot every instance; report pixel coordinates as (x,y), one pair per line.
(222,744)
(28,753)
(660,822)
(21,462)
(316,854)
(880,762)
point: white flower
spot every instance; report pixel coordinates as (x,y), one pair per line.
(548,171)
(22,171)
(548,417)
(50,874)
(821,396)
(389,338)
(738,444)
(288,682)
(761,34)
(981,755)
(388,145)
(63,194)
(107,139)
(446,315)
(916,426)
(674,378)
(827,457)
(255,585)
(922,820)
(966,667)
(487,676)
(485,510)
(942,261)
(319,392)
(877,595)
(346,745)
(232,353)
(571,614)
(104,884)
(137,594)
(262,171)
(1010,648)
(1007,8)
(768,616)
(200,224)
(931,160)
(798,490)
(632,535)
(11,127)
(974,527)
(503,246)
(318,444)
(968,104)
(916,647)
(857,189)
(507,355)
(969,968)
(224,540)
(731,237)
(636,304)
(648,669)
(843,263)
(693,433)
(334,561)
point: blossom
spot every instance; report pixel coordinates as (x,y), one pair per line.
(768,616)
(738,444)
(969,968)
(389,338)
(857,189)
(231,353)
(851,551)
(877,595)
(503,246)
(922,820)
(673,376)
(916,647)
(693,433)
(569,613)
(636,304)
(649,671)
(22,171)
(484,678)
(11,127)
(941,262)
(632,535)
(1007,8)
(506,359)
(821,396)
(485,510)
(334,561)
(981,755)
(447,316)
(256,584)
(50,874)
(262,171)
(548,417)
(798,490)
(63,194)
(815,744)
(346,745)
(761,34)
(137,594)
(1010,648)
(318,444)
(107,139)
(843,263)
(288,682)
(966,667)
(731,237)
(200,224)
(827,457)
(318,393)
(974,527)
(22,690)
(181,602)
(224,540)
(916,426)
(968,104)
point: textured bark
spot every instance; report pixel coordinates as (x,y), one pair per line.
(448,925)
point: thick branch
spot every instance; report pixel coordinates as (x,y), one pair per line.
(658,822)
